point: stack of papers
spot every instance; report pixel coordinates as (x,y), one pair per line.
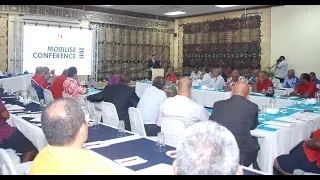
(14,107)
(305,116)
(131,161)
(278,123)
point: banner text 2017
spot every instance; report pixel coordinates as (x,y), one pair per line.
(55,52)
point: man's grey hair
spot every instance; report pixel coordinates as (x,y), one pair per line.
(40,69)
(218,70)
(292,70)
(207,148)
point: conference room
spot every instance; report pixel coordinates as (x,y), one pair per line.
(159,90)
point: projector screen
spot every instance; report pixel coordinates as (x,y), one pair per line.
(57,48)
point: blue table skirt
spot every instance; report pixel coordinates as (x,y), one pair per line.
(103,133)
(142,147)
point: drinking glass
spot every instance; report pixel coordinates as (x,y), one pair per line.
(42,105)
(9,92)
(121,129)
(317,96)
(160,142)
(17,97)
(86,112)
(294,105)
(95,121)
(264,112)
(303,101)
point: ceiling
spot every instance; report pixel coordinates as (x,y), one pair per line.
(191,10)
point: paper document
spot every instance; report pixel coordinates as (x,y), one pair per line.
(287,119)
(35,120)
(159,169)
(278,123)
(15,108)
(131,161)
(37,124)
(305,116)
(96,144)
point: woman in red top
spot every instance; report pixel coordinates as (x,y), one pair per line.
(171,77)
(306,157)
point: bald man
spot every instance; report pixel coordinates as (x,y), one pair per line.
(181,107)
(239,115)
(235,77)
(66,130)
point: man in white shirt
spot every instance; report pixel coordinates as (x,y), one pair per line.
(195,75)
(181,107)
(281,69)
(149,104)
(217,81)
(206,77)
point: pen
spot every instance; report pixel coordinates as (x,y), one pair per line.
(128,160)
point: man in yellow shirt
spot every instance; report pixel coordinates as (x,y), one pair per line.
(66,130)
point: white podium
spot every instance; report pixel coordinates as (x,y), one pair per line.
(156,73)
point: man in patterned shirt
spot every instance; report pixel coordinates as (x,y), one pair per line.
(71,86)
(12,138)
(235,77)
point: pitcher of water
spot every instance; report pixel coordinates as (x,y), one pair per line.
(272,103)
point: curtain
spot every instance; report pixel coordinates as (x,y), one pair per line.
(227,43)
(3,43)
(127,48)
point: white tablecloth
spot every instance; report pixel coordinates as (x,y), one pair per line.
(16,83)
(208,98)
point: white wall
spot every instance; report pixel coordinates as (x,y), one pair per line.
(295,34)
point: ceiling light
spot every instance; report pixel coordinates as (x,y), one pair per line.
(174,13)
(225,6)
(107,5)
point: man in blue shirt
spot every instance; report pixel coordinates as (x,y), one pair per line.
(254,78)
(291,81)
(314,78)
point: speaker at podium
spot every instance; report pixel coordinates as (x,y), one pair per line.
(156,73)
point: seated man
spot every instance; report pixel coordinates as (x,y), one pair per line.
(206,77)
(66,129)
(114,79)
(255,77)
(12,138)
(239,115)
(217,80)
(38,82)
(263,83)
(314,78)
(195,75)
(57,85)
(207,148)
(306,88)
(306,157)
(149,104)
(171,77)
(181,107)
(235,77)
(121,95)
(291,81)
(71,86)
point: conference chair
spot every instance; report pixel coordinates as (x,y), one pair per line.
(109,114)
(136,123)
(48,98)
(8,168)
(33,94)
(173,130)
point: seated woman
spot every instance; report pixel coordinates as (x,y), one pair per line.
(71,86)
(171,77)
(12,138)
(306,157)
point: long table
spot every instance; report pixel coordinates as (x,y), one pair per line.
(208,97)
(16,83)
